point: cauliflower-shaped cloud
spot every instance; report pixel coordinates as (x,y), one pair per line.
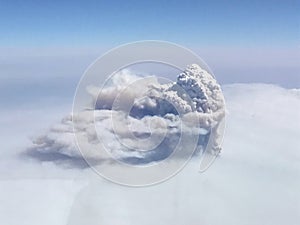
(139,120)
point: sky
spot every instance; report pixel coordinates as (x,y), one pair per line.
(48,45)
(268,23)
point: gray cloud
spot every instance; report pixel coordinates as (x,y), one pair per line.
(138,120)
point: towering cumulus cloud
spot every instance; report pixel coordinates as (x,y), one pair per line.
(140,120)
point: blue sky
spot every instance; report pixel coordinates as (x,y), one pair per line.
(45,46)
(109,23)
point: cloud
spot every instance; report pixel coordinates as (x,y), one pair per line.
(254,181)
(138,120)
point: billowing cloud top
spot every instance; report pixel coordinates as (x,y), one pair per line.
(140,120)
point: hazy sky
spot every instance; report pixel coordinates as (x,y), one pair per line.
(45,46)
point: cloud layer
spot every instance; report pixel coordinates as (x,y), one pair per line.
(254,181)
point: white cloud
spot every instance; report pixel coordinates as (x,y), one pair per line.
(256,180)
